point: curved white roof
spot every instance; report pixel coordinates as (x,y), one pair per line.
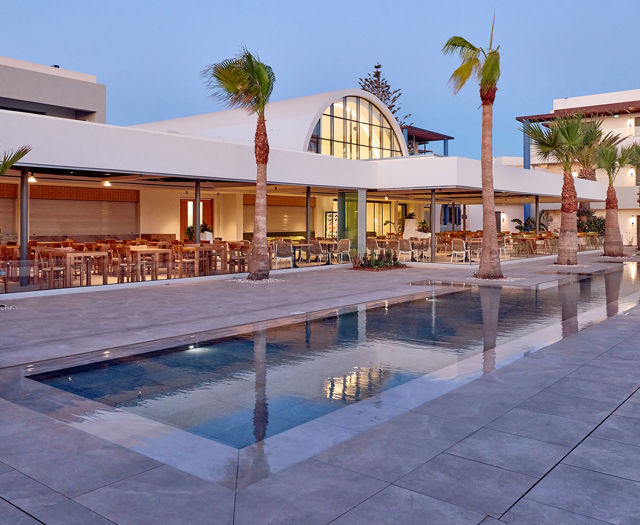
(290,122)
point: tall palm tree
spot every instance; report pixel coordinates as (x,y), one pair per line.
(246,82)
(634,160)
(9,158)
(560,142)
(483,64)
(611,160)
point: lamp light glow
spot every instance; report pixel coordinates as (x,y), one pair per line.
(106,184)
(32,179)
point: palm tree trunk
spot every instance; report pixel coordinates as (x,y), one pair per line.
(613,246)
(260,264)
(490,255)
(568,242)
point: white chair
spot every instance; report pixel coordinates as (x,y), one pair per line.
(404,247)
(283,251)
(475,246)
(344,248)
(372,245)
(459,249)
(317,251)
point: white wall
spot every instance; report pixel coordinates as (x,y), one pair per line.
(474,214)
(160,211)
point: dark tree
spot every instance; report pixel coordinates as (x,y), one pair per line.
(379,86)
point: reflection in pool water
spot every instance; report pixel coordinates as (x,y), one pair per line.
(240,390)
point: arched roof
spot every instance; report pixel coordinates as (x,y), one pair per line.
(290,123)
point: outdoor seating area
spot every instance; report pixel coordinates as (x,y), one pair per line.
(466,246)
(67,264)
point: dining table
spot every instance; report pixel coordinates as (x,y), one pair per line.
(155,253)
(86,262)
(208,251)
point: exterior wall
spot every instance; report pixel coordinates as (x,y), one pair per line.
(160,211)
(51,91)
(474,213)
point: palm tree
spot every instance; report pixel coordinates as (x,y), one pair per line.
(9,158)
(611,160)
(634,161)
(245,82)
(560,142)
(483,64)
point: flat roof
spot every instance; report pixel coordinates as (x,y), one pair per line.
(600,110)
(424,135)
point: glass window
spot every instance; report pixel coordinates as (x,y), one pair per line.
(338,129)
(365,134)
(376,116)
(325,147)
(364,110)
(325,127)
(352,108)
(386,138)
(354,128)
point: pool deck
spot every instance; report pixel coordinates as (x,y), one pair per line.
(553,437)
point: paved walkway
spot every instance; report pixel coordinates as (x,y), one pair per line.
(551,438)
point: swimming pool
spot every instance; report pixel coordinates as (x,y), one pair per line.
(240,390)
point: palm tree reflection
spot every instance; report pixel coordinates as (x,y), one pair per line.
(612,283)
(490,306)
(569,294)
(261,407)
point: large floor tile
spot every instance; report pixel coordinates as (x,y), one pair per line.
(572,407)
(311,492)
(529,512)
(469,408)
(541,426)
(609,457)
(592,389)
(468,484)
(621,429)
(69,512)
(394,506)
(616,376)
(589,493)
(516,453)
(392,449)
(630,408)
(10,515)
(162,495)
(71,461)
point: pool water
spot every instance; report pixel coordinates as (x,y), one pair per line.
(243,389)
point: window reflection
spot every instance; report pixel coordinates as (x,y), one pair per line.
(354,128)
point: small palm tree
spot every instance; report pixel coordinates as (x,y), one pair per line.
(611,160)
(245,82)
(483,64)
(9,158)
(587,154)
(561,141)
(634,160)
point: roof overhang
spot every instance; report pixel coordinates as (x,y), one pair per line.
(70,145)
(601,110)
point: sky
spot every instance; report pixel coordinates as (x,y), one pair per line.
(149,53)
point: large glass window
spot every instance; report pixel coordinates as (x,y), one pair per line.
(354,128)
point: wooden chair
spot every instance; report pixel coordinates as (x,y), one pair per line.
(184,265)
(317,251)
(344,248)
(372,245)
(53,267)
(283,251)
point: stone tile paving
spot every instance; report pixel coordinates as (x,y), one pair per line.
(552,438)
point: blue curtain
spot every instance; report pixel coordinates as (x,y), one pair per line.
(447,213)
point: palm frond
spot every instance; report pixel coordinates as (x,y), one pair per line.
(490,72)
(241,82)
(634,157)
(462,73)
(9,158)
(607,160)
(459,45)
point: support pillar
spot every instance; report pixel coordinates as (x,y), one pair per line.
(24,227)
(196,213)
(362,221)
(308,216)
(445,147)
(537,214)
(454,215)
(526,151)
(464,217)
(432,221)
